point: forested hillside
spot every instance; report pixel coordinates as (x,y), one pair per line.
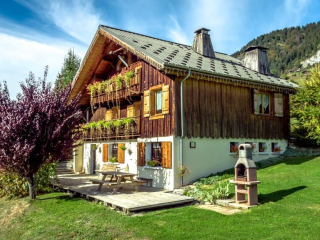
(287,47)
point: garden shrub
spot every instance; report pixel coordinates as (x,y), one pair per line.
(221,190)
(14,185)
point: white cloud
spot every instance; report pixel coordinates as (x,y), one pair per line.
(296,10)
(176,33)
(20,56)
(78,18)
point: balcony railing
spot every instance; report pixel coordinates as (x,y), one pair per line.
(113,89)
(114,129)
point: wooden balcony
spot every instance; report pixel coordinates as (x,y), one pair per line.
(129,131)
(116,92)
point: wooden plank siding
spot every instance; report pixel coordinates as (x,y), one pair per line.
(99,114)
(149,77)
(218,110)
(156,127)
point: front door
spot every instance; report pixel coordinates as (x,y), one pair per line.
(94,159)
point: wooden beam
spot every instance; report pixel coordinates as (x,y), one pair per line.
(115,51)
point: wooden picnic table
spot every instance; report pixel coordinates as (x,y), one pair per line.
(118,180)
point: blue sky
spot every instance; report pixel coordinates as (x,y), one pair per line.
(36,33)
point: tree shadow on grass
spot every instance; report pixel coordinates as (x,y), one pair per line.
(282,159)
(61,198)
(278,195)
(298,160)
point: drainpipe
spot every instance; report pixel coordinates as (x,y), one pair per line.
(182,120)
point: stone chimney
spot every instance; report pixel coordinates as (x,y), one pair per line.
(202,43)
(256,59)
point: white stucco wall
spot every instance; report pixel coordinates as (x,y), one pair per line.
(131,160)
(213,155)
(209,156)
(162,177)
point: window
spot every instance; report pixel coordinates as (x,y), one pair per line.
(156,151)
(234,147)
(276,148)
(263,148)
(157,154)
(264,103)
(115,150)
(268,103)
(158,102)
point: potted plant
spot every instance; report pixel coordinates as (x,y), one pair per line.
(113,160)
(262,148)
(182,170)
(277,149)
(234,149)
(123,148)
(154,162)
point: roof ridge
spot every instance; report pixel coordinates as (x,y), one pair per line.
(101,25)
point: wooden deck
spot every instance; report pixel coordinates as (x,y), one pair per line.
(125,199)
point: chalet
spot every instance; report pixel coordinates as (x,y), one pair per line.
(154,105)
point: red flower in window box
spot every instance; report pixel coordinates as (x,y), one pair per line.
(277,149)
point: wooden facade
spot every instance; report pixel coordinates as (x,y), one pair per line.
(148,127)
(163,126)
(218,110)
(211,109)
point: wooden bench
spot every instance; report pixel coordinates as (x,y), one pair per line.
(147,181)
(116,185)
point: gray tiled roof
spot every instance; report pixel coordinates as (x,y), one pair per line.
(170,54)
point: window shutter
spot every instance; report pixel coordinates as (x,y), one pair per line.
(278,105)
(141,154)
(105,152)
(256,101)
(146,102)
(136,109)
(166,154)
(165,99)
(120,153)
(109,115)
(130,111)
(115,113)
(137,74)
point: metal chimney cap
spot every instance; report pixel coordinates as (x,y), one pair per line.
(200,30)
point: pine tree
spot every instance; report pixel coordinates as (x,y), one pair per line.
(69,69)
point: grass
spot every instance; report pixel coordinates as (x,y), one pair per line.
(290,209)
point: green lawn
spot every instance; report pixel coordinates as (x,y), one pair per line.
(290,209)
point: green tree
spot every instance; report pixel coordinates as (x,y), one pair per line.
(306,106)
(69,69)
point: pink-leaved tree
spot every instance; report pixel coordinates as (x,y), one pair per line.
(36,128)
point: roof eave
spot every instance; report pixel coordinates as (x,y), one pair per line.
(141,55)
(75,88)
(168,66)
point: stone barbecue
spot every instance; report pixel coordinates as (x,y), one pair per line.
(245,170)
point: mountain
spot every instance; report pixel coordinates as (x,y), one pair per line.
(288,47)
